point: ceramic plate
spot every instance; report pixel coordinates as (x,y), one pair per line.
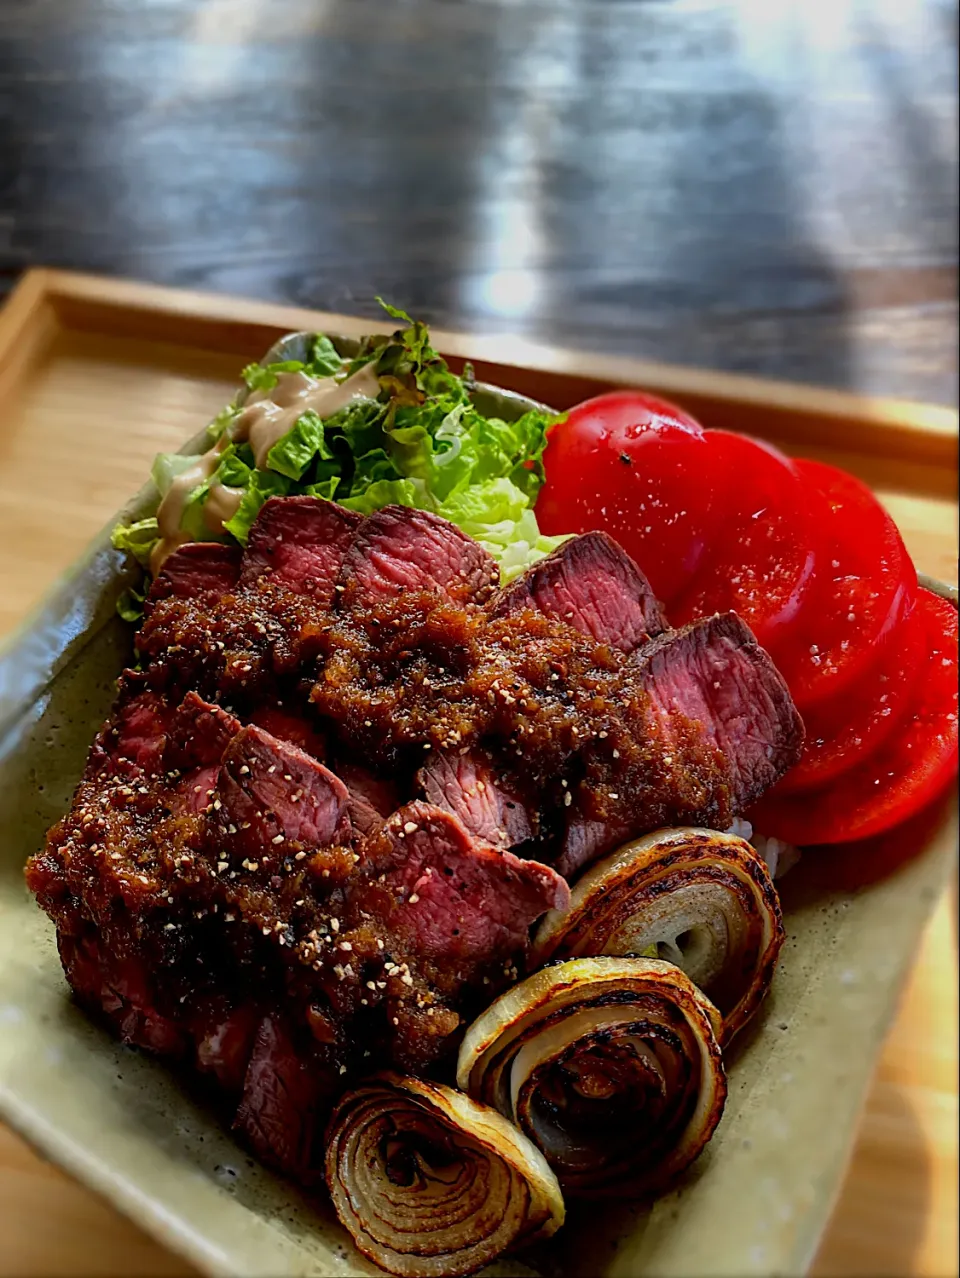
(138,1133)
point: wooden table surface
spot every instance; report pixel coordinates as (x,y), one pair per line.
(752,185)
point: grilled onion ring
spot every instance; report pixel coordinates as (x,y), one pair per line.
(705,900)
(428,1182)
(610,1065)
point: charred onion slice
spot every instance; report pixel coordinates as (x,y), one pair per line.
(429,1182)
(610,1065)
(704,900)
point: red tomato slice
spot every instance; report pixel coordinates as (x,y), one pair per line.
(912,768)
(762,562)
(866,587)
(636,467)
(840,736)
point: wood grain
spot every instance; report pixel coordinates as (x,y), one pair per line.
(769,188)
(94,391)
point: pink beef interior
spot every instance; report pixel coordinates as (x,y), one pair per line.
(458,898)
(299,542)
(466,785)
(196,569)
(399,549)
(271,791)
(715,673)
(593,585)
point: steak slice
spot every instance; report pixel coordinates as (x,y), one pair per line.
(466,785)
(399,549)
(715,674)
(458,900)
(592,584)
(269,791)
(371,798)
(283,1095)
(198,569)
(584,840)
(137,734)
(291,726)
(299,541)
(224,1042)
(120,987)
(199,733)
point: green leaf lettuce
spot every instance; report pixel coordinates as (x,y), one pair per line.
(423,442)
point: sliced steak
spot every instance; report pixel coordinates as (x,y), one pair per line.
(299,541)
(458,900)
(399,549)
(288,725)
(592,584)
(196,570)
(269,791)
(371,798)
(585,840)
(224,1041)
(714,672)
(282,1100)
(199,733)
(120,988)
(467,786)
(137,734)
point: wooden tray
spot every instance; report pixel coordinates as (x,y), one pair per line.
(96,376)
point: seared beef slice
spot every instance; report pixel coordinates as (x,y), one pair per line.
(456,899)
(721,717)
(138,732)
(371,798)
(299,542)
(592,584)
(466,785)
(283,1095)
(269,792)
(714,672)
(199,733)
(201,568)
(399,549)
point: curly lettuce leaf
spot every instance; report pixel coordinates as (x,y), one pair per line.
(387,492)
(423,442)
(263,484)
(497,513)
(263,377)
(292,454)
(170,466)
(136,539)
(222,422)
(130,604)
(236,466)
(323,361)
(325,488)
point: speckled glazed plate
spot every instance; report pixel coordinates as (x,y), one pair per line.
(138,1133)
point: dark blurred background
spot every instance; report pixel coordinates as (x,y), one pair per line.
(761,185)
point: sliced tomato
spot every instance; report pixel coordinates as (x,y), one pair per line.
(916,764)
(866,587)
(840,735)
(763,560)
(638,468)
